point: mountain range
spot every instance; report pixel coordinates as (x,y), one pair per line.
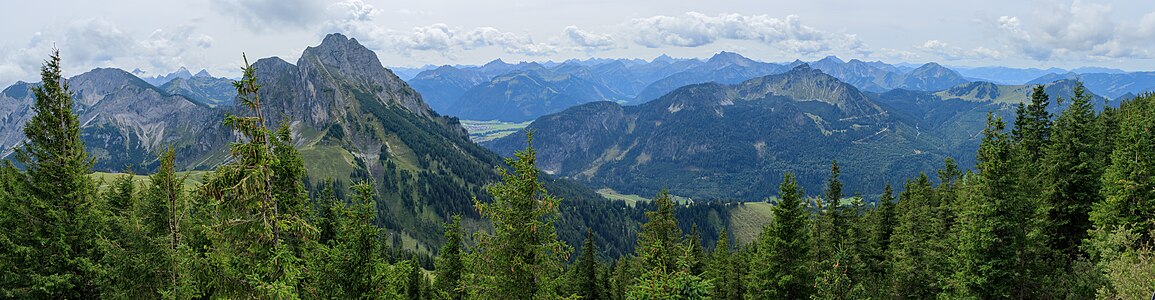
(719,141)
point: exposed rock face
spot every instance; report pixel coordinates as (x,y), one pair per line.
(126,121)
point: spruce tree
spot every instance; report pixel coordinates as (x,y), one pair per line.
(1033,124)
(449,264)
(1000,227)
(587,271)
(260,225)
(53,250)
(658,241)
(917,255)
(780,269)
(1128,189)
(723,271)
(1072,174)
(522,258)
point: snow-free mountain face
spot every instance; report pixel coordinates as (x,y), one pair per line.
(716,141)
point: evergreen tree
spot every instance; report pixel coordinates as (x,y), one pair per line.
(999,228)
(413,287)
(587,271)
(523,258)
(249,251)
(658,241)
(1033,124)
(723,271)
(1072,173)
(882,222)
(780,269)
(449,264)
(694,252)
(52,250)
(1127,185)
(831,223)
(916,258)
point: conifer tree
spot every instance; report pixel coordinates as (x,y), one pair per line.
(52,251)
(695,256)
(723,271)
(999,227)
(780,269)
(523,258)
(917,255)
(1072,174)
(1033,124)
(658,241)
(449,264)
(253,245)
(587,271)
(1127,185)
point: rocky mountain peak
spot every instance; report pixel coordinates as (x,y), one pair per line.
(725,57)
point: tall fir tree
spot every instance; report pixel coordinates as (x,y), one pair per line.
(450,265)
(53,250)
(998,238)
(658,241)
(586,282)
(780,269)
(522,258)
(1127,185)
(253,245)
(917,255)
(1072,173)
(1033,124)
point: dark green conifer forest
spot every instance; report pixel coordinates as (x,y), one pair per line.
(1056,207)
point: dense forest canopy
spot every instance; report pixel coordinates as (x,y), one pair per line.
(1056,206)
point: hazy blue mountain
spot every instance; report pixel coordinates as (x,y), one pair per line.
(931,77)
(1109,85)
(724,67)
(525,95)
(406,73)
(443,86)
(1085,70)
(160,80)
(203,88)
(872,77)
(1005,75)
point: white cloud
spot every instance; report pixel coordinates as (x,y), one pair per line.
(272,15)
(949,52)
(90,43)
(357,19)
(588,41)
(1079,31)
(696,29)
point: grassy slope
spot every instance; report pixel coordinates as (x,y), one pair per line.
(480,131)
(194,179)
(748,219)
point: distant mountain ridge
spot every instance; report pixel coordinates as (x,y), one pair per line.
(484,93)
(715,141)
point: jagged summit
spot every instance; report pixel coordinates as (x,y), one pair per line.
(203,74)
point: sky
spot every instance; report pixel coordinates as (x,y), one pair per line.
(160,36)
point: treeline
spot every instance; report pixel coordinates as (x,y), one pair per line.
(1059,207)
